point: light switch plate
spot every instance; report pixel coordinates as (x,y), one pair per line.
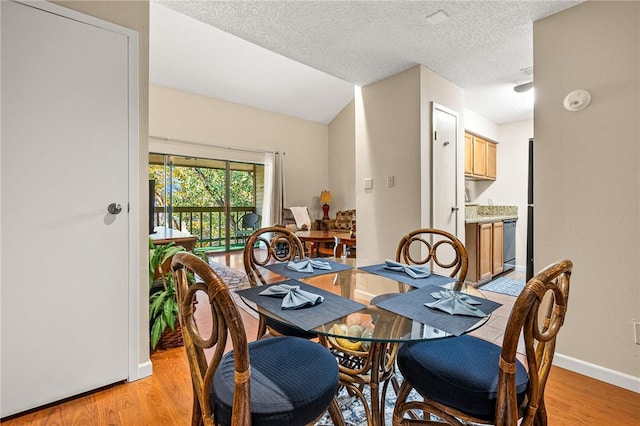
(390,181)
(636,329)
(368,183)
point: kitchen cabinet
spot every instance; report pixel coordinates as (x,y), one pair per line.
(492,151)
(480,158)
(484,248)
(497,256)
(468,154)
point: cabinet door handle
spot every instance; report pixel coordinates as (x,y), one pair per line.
(455,208)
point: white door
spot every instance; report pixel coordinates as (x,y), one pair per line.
(65,260)
(444,203)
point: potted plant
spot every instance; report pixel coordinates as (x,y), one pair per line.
(163,305)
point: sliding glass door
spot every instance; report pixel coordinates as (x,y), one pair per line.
(205,197)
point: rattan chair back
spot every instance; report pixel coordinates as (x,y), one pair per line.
(225,322)
(269,245)
(538,315)
(435,247)
(264,247)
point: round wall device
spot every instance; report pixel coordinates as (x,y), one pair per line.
(577,100)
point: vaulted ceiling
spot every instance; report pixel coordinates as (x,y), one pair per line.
(303,58)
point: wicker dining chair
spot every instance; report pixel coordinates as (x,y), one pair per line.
(440,248)
(264,247)
(265,382)
(466,378)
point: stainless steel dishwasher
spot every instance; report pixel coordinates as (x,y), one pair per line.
(509,244)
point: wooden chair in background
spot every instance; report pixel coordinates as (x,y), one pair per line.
(264,247)
(444,251)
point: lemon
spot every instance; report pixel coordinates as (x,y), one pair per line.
(339,329)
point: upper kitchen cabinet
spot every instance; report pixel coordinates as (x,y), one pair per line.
(479,158)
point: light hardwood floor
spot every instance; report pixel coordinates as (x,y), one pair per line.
(165,397)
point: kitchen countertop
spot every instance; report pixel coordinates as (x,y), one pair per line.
(484,214)
(485,219)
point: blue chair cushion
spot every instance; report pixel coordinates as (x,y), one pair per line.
(292,382)
(459,372)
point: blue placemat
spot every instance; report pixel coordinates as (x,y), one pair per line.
(433,279)
(308,318)
(411,305)
(281,269)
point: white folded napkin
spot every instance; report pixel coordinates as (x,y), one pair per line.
(455,303)
(292,296)
(307,265)
(414,271)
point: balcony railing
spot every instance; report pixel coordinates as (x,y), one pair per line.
(207,223)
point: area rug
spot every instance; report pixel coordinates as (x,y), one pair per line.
(353,411)
(235,280)
(508,286)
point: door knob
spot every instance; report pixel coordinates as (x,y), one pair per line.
(114,208)
(455,208)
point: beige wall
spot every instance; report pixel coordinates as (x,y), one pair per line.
(587,184)
(480,125)
(134,15)
(387,143)
(342,159)
(185,116)
(393,138)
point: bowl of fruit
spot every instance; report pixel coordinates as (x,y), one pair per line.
(354,334)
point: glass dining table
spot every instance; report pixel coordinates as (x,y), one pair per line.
(367,310)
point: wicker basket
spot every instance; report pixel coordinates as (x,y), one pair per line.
(171,338)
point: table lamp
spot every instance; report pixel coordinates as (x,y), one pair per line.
(325,198)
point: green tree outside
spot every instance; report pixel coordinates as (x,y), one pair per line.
(205,187)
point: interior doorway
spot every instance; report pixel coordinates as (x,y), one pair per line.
(445,209)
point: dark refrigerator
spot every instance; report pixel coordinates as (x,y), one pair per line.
(530,214)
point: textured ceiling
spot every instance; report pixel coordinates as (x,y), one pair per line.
(482,47)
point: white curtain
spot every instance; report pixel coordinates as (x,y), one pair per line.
(275,190)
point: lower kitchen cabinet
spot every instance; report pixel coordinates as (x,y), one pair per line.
(484,247)
(497,239)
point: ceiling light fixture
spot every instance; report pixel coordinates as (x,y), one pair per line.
(438,17)
(524,87)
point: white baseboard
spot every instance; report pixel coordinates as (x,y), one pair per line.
(144,370)
(597,372)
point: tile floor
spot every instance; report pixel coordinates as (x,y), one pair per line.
(493,331)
